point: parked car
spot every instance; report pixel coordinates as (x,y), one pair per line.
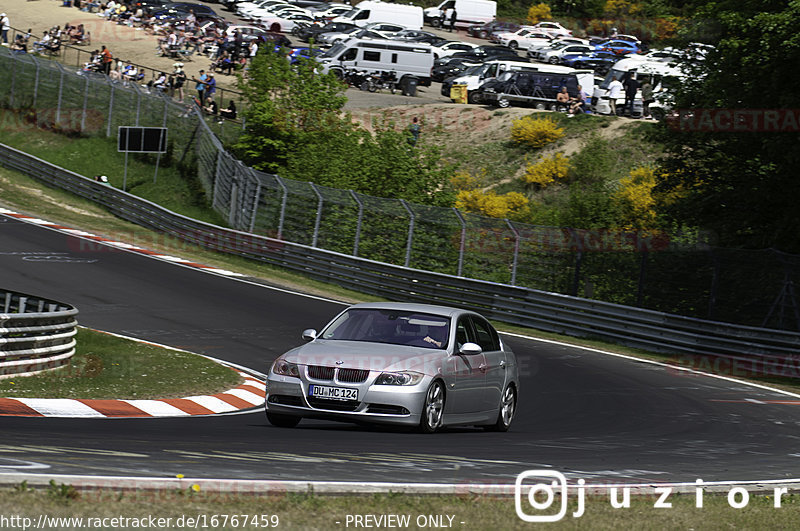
(303,53)
(484,31)
(286,22)
(523,38)
(618,47)
(453,66)
(553,28)
(414,365)
(418,36)
(307,33)
(555,54)
(485,52)
(450,47)
(600,62)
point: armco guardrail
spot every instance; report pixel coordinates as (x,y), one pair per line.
(646,329)
(36,334)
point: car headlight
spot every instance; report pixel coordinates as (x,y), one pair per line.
(399,378)
(284,368)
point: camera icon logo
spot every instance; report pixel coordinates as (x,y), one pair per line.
(534,492)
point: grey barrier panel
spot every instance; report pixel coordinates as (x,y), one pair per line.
(36,334)
(647,329)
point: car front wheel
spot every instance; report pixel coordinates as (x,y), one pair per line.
(508,407)
(432,408)
(513,45)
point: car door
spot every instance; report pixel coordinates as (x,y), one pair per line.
(465,388)
(494,362)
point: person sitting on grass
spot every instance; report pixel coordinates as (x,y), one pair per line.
(211,106)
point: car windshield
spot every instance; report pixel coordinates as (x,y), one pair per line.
(333,51)
(395,327)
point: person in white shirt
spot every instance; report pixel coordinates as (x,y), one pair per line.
(5,25)
(614,92)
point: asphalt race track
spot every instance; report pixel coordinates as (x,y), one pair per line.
(586,414)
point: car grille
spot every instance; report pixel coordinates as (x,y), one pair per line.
(319,372)
(334,405)
(353,375)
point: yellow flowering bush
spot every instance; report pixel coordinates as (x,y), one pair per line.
(463,180)
(635,196)
(535,132)
(538,12)
(547,170)
(490,204)
(622,7)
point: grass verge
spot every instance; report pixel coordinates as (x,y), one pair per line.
(110,367)
(191,506)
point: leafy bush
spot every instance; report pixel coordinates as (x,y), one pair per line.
(535,132)
(539,12)
(635,198)
(490,204)
(547,170)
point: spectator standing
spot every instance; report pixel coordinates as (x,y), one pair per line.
(453,17)
(253,50)
(614,92)
(443,18)
(414,130)
(211,85)
(179,80)
(5,25)
(631,88)
(201,85)
(107,60)
(647,98)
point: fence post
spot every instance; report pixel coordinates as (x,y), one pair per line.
(410,231)
(35,82)
(13,79)
(463,244)
(233,206)
(110,111)
(254,211)
(60,91)
(516,252)
(138,106)
(317,222)
(359,222)
(85,103)
(284,200)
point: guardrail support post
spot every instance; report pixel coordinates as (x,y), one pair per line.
(35,82)
(359,222)
(13,79)
(463,244)
(642,278)
(410,231)
(318,220)
(60,91)
(516,252)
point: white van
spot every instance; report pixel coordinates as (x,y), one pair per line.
(373,11)
(411,62)
(660,74)
(468,12)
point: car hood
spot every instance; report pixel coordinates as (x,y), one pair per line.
(365,355)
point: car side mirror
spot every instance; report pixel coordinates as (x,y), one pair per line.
(309,334)
(470,349)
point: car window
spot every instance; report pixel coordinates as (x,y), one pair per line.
(463,333)
(486,336)
(395,327)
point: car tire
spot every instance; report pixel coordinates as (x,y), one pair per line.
(553,60)
(432,408)
(473,97)
(513,45)
(507,409)
(435,22)
(275,27)
(338,72)
(282,421)
(503,103)
(483,34)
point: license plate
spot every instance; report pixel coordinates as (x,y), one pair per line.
(332,393)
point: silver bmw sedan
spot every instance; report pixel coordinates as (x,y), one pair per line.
(398,363)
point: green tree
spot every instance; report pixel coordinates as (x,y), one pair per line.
(742,186)
(296,127)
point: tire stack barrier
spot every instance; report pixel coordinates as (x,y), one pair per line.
(36,334)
